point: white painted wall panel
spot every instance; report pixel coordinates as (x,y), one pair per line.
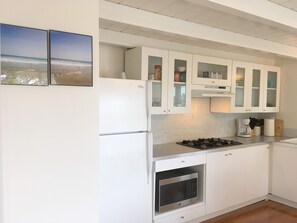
(49,135)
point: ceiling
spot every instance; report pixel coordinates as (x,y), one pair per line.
(211,15)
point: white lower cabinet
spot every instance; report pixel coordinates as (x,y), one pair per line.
(236,176)
(225,181)
(257,171)
(284,176)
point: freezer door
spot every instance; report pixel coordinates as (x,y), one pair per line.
(123,106)
(125,191)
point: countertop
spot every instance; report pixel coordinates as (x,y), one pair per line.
(171,150)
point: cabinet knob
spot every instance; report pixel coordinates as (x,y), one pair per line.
(230,154)
(182,161)
(226,154)
(168,110)
(182,217)
(164,111)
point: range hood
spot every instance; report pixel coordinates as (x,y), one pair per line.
(211,91)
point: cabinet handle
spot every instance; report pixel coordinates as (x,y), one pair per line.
(164,111)
(168,110)
(182,161)
(226,154)
(182,217)
(230,154)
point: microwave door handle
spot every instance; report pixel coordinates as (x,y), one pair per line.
(149,156)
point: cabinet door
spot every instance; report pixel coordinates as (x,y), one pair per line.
(256,90)
(211,71)
(240,87)
(179,80)
(248,87)
(235,176)
(257,171)
(155,68)
(284,177)
(271,89)
(225,180)
(216,182)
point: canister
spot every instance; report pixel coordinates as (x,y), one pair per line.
(269,127)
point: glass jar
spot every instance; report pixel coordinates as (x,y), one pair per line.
(158,72)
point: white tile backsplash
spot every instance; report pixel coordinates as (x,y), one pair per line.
(197,124)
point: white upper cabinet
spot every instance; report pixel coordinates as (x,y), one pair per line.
(211,71)
(255,87)
(168,74)
(179,82)
(271,89)
(247,87)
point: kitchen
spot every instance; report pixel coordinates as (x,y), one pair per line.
(200,122)
(49,142)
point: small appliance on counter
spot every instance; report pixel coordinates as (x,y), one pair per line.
(243,128)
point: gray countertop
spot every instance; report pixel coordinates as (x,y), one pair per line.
(171,150)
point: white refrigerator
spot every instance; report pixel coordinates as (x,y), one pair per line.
(125,152)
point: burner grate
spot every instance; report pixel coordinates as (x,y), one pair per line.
(208,143)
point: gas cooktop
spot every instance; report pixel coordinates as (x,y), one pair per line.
(208,143)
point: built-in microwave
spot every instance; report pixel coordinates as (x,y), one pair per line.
(175,188)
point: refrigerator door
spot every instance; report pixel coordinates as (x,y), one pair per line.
(123,106)
(125,192)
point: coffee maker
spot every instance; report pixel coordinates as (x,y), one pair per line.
(243,128)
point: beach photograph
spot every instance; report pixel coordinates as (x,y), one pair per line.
(70,59)
(24,56)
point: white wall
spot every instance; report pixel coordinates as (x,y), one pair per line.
(200,123)
(111,61)
(288,105)
(49,135)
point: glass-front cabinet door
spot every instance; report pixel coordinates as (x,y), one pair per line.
(211,71)
(179,80)
(256,88)
(247,88)
(155,69)
(271,89)
(240,88)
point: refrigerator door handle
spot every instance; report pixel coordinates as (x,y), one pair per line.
(149,156)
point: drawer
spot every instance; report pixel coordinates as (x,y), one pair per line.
(182,216)
(180,162)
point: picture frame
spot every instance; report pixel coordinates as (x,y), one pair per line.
(23,56)
(71,59)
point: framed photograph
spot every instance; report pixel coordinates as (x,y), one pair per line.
(24,55)
(71,59)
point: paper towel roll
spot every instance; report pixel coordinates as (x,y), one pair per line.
(269,127)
